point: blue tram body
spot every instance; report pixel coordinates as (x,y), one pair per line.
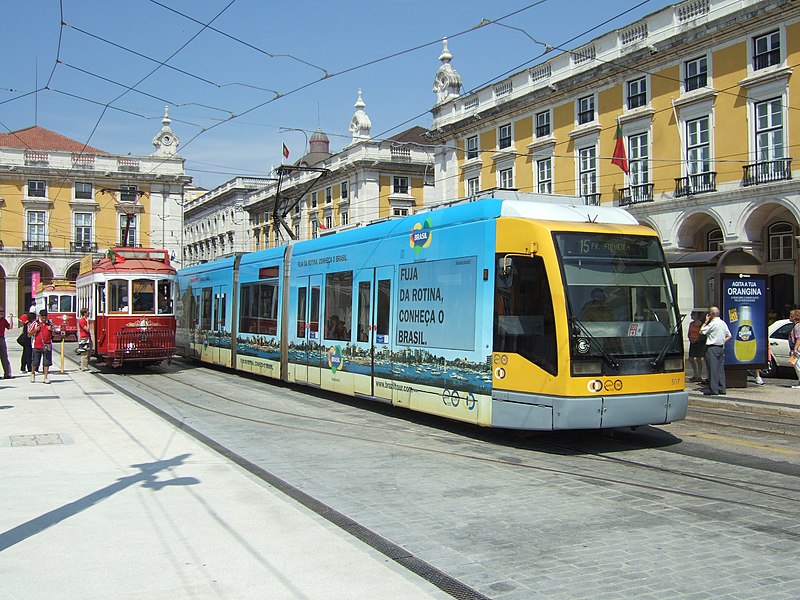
(406,312)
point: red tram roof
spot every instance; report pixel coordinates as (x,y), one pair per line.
(134,266)
(126,261)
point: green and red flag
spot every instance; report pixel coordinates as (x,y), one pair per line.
(619,157)
(285,151)
(114,257)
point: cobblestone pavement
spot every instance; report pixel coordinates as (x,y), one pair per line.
(556,515)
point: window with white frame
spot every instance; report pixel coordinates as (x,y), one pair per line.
(472,147)
(504,136)
(328,195)
(313,199)
(37,188)
(587,171)
(130,220)
(399,212)
(297,231)
(328,222)
(544,175)
(714,240)
(344,218)
(695,73)
(543,124)
(399,185)
(638,162)
(83,229)
(769,130)
(473,186)
(343,190)
(83,190)
(585,110)
(128,193)
(781,241)
(766,50)
(637,93)
(506,179)
(698,146)
(36,226)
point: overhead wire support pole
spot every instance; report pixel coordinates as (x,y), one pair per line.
(278,217)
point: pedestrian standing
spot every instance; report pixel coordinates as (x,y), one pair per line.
(42,333)
(697,347)
(794,343)
(24,340)
(84,339)
(717,334)
(4,326)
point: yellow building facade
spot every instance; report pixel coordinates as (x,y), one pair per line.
(701,93)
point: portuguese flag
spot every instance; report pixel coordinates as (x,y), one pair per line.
(619,157)
(114,257)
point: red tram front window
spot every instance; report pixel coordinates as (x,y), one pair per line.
(143,296)
(118,295)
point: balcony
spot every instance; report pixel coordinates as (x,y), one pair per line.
(636,194)
(765,172)
(83,247)
(696,184)
(695,82)
(591,199)
(37,246)
(766,59)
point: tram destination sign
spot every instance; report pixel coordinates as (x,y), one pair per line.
(436,304)
(585,245)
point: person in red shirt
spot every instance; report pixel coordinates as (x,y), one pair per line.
(41,331)
(24,341)
(4,325)
(84,339)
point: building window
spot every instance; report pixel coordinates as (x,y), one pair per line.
(131,239)
(399,212)
(344,218)
(37,188)
(698,146)
(472,147)
(313,199)
(328,195)
(714,240)
(507,179)
(344,190)
(473,186)
(83,229)
(766,50)
(543,124)
(585,110)
(769,130)
(328,222)
(83,190)
(637,93)
(36,232)
(400,185)
(297,231)
(127,193)
(587,171)
(638,163)
(781,241)
(504,136)
(696,75)
(544,176)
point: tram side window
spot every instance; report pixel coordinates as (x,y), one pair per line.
(313,319)
(301,312)
(118,295)
(143,295)
(338,305)
(364,293)
(524,321)
(205,310)
(100,297)
(384,303)
(164,297)
(258,312)
(67,304)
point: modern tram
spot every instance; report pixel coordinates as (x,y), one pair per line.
(129,294)
(58,298)
(525,313)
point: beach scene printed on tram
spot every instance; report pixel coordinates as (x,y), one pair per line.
(452,312)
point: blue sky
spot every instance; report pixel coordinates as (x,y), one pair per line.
(107,46)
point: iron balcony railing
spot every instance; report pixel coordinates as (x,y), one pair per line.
(764,172)
(636,194)
(694,82)
(36,246)
(696,184)
(591,199)
(766,59)
(82,247)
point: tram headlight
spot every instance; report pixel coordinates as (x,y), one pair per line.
(673,364)
(587,367)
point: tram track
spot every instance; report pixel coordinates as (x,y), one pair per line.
(478,444)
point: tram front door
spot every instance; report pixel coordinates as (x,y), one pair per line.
(372,335)
(308,338)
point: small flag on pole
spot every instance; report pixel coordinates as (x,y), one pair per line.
(114,257)
(285,151)
(619,157)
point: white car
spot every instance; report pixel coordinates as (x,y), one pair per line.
(779,346)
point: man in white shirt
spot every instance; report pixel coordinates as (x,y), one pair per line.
(717,334)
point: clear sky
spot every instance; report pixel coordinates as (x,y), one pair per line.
(105,75)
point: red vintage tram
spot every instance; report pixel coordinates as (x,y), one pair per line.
(129,294)
(58,298)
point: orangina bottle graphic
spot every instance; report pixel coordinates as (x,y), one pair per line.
(744,348)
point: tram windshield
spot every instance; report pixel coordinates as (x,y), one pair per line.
(618,293)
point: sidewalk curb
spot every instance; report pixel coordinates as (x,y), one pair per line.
(744,405)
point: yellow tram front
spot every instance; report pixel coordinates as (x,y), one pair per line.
(586,329)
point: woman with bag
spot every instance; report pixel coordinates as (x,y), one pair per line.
(84,339)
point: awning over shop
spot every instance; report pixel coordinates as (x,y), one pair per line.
(717,258)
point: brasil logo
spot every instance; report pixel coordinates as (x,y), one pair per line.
(421,236)
(335,359)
